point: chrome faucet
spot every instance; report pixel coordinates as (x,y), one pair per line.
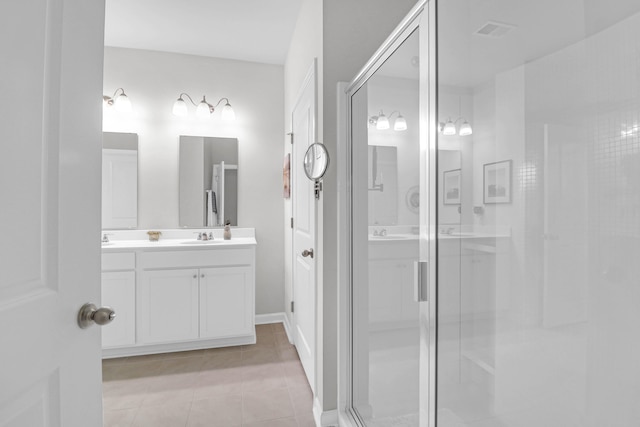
(202,235)
(380,233)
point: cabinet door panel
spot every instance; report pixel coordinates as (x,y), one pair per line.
(168,302)
(119,293)
(226,302)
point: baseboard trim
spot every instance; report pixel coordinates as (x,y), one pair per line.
(264,319)
(144,349)
(324,418)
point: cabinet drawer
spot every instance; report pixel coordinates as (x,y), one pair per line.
(119,261)
(200,258)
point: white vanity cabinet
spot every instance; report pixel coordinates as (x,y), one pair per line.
(119,292)
(168,302)
(226,301)
(391,282)
(180,297)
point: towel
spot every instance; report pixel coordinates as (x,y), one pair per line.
(211,209)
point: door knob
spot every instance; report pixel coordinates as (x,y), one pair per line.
(90,314)
(307,253)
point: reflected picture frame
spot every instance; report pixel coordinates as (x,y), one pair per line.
(497,182)
(452,186)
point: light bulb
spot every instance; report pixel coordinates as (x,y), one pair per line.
(383,122)
(449,128)
(227,113)
(465,129)
(122,104)
(180,107)
(203,111)
(400,124)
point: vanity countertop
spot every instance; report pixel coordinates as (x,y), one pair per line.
(179,244)
(399,234)
(176,239)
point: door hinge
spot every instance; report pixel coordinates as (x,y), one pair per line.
(291,137)
(318,189)
(291,222)
(292,306)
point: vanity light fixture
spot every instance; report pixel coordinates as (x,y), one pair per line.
(203,108)
(449,128)
(120,101)
(381,122)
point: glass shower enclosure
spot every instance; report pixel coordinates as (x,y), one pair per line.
(495,218)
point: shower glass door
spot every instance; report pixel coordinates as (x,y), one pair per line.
(538,214)
(389,225)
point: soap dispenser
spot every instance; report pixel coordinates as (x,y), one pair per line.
(227,230)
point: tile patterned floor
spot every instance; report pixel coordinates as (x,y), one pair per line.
(261,385)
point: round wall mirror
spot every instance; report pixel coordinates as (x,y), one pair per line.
(316,161)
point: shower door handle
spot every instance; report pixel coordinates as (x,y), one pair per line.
(421,281)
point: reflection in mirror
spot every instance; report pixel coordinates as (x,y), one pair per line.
(450,188)
(383,185)
(119,180)
(385,126)
(208,188)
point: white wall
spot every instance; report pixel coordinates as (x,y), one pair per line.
(153,81)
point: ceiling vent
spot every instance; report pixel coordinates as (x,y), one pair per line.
(494,29)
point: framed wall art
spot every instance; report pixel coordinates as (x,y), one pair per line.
(497,182)
(452,186)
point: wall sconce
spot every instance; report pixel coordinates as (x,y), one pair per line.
(120,102)
(203,108)
(449,128)
(381,122)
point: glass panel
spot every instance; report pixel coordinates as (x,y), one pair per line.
(538,281)
(386,331)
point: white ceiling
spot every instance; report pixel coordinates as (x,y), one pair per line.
(248,30)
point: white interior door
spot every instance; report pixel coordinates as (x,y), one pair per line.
(304,229)
(51,84)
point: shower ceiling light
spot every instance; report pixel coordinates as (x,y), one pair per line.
(203,108)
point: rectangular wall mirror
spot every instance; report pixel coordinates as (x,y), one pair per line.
(208,188)
(119,180)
